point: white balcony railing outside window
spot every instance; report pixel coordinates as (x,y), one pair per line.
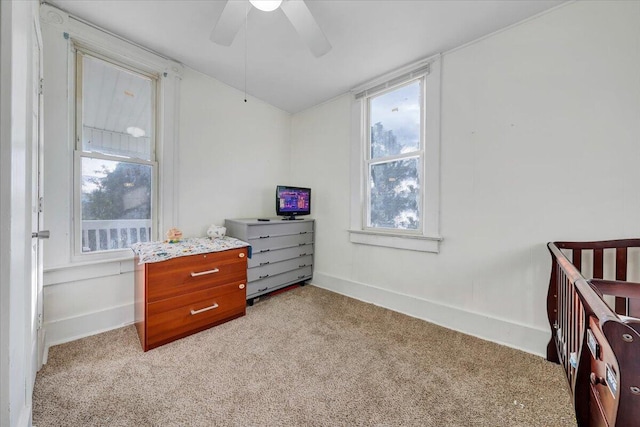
(100,235)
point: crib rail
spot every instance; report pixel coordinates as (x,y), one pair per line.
(621,264)
(598,349)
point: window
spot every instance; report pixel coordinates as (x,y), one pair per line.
(115,168)
(395,157)
(395,166)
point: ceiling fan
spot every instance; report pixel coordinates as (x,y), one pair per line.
(235,11)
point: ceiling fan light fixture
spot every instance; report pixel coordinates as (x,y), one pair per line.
(266,5)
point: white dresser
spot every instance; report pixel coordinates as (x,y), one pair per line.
(282,252)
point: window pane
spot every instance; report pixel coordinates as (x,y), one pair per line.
(395,121)
(116,204)
(116,110)
(395,195)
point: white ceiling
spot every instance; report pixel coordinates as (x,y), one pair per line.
(369,38)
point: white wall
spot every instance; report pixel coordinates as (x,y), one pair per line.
(232,154)
(228,158)
(540,142)
(16,380)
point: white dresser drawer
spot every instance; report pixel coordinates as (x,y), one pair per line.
(272,269)
(282,228)
(264,258)
(278,281)
(279,242)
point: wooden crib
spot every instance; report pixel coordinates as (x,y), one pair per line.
(598,347)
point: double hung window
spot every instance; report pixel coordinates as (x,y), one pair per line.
(115,167)
(395,157)
(395,160)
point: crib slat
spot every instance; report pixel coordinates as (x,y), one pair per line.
(576,330)
(562,316)
(621,264)
(577,258)
(621,274)
(598,263)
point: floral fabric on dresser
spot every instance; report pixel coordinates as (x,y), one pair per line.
(161,251)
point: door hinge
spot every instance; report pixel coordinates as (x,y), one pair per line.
(39,326)
(40,204)
(40,87)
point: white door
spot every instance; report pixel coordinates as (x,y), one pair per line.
(37,332)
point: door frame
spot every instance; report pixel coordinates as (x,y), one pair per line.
(37,187)
(16,300)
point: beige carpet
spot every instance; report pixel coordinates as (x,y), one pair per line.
(307,357)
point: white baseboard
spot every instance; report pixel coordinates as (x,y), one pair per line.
(45,350)
(25,417)
(76,327)
(518,336)
(45,353)
(521,337)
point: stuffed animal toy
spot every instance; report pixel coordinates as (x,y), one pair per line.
(174,235)
(216,231)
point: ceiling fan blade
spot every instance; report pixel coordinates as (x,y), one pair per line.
(301,18)
(230,21)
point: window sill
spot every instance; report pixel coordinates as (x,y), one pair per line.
(396,241)
(88,270)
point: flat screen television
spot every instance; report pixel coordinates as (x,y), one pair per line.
(292,201)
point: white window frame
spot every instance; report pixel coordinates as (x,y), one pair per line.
(64,32)
(427,238)
(79,53)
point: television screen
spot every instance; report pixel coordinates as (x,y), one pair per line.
(292,201)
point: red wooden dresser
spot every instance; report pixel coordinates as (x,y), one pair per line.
(181,296)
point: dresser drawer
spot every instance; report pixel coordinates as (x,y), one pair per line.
(264,258)
(168,304)
(195,272)
(279,229)
(277,281)
(272,269)
(182,315)
(280,242)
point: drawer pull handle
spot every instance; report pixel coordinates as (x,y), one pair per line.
(264,237)
(241,285)
(303,232)
(265,263)
(265,250)
(241,254)
(263,289)
(304,254)
(301,244)
(302,265)
(202,273)
(301,277)
(265,276)
(202,310)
